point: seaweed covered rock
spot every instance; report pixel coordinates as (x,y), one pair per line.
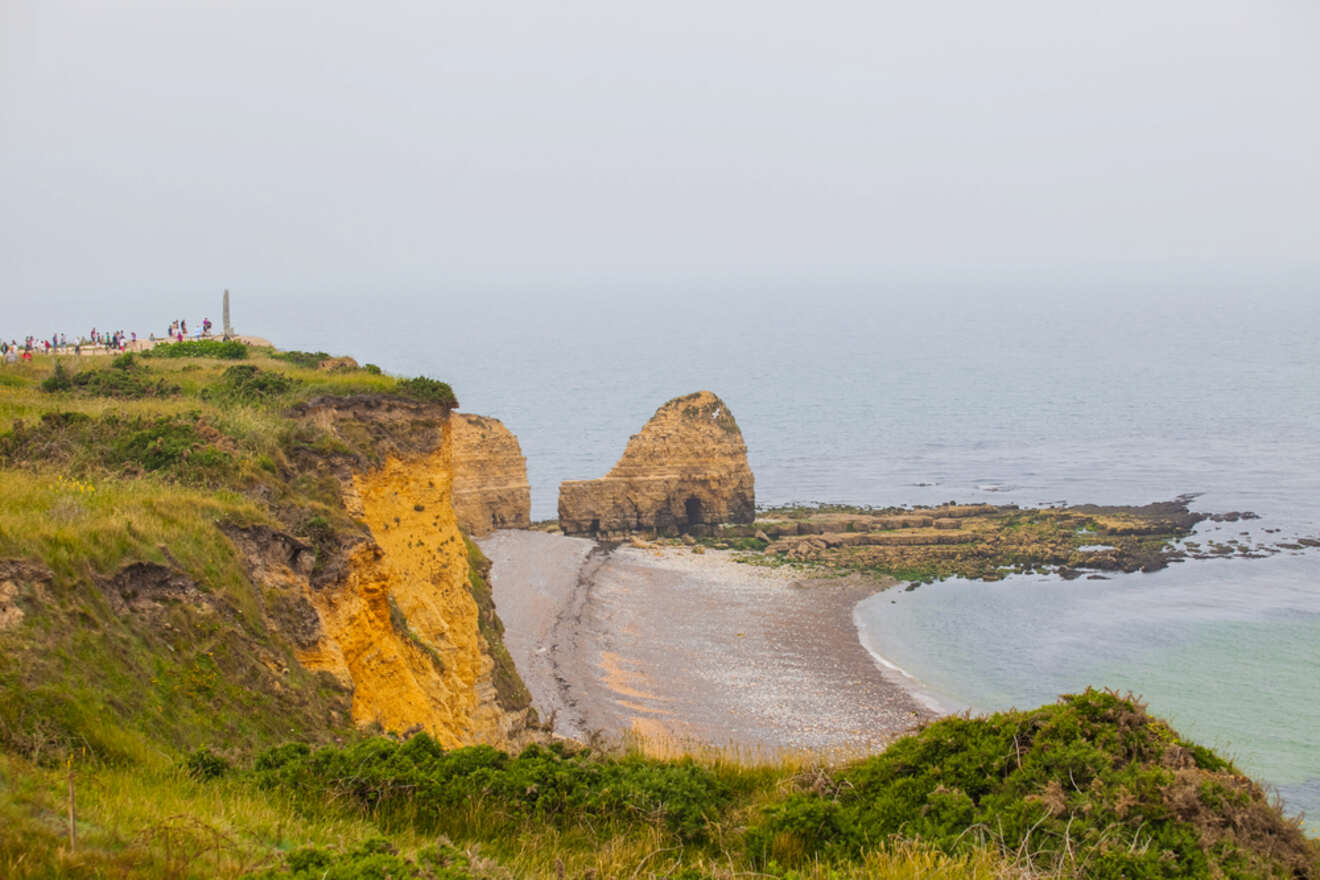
(684,472)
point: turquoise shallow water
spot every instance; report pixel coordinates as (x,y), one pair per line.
(1226,650)
(897,395)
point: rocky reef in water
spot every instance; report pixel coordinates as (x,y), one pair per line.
(685,471)
(989,542)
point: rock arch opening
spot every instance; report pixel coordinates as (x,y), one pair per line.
(685,471)
(692,512)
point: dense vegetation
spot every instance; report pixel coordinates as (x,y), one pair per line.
(1090,787)
(430,390)
(227,349)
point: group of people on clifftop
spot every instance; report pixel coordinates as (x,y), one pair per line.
(179,330)
(12,350)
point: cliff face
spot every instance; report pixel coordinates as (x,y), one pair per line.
(393,616)
(490,476)
(685,471)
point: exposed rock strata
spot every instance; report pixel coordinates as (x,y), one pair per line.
(684,472)
(389,612)
(490,476)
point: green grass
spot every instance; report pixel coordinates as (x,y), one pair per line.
(124,660)
(156,821)
(80,528)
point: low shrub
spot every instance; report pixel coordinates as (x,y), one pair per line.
(245,383)
(1093,775)
(124,379)
(184,445)
(429,390)
(306,359)
(205,764)
(225,349)
(58,380)
(420,782)
(154,444)
(122,383)
(374,858)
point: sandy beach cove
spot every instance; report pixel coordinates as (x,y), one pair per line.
(680,649)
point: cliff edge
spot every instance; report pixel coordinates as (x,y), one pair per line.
(400,623)
(243,548)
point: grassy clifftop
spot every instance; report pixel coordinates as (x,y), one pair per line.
(131,625)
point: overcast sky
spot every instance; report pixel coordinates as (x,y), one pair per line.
(271,146)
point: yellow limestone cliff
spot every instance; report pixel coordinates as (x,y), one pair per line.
(490,476)
(399,625)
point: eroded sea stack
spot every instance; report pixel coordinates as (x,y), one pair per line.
(490,476)
(685,471)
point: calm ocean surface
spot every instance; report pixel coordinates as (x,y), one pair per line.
(892,396)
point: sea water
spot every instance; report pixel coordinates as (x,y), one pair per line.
(894,394)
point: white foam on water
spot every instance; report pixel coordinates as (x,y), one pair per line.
(895,673)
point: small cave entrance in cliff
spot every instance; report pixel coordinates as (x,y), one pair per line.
(692,511)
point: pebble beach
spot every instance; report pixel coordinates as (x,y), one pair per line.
(677,649)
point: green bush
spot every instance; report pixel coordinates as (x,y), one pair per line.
(1092,774)
(245,383)
(230,349)
(374,859)
(306,359)
(122,382)
(155,444)
(124,379)
(419,780)
(181,445)
(429,390)
(59,380)
(205,764)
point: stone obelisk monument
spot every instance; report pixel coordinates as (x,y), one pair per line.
(229,331)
